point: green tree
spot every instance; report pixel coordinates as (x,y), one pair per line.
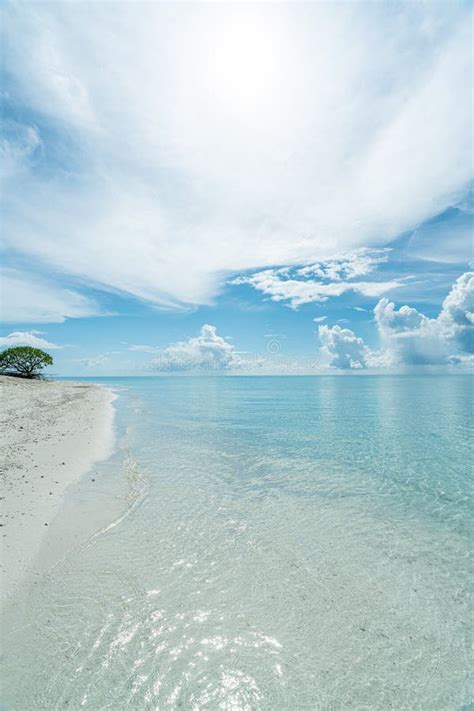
(24,361)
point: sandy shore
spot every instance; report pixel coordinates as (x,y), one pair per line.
(51,434)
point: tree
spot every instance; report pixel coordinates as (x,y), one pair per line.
(24,361)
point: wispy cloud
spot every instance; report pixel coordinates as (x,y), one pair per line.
(347,266)
(28,299)
(95,362)
(325,279)
(159,188)
(142,348)
(298,292)
(447,238)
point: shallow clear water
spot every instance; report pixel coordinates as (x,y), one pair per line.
(260,543)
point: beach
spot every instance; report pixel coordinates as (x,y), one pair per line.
(51,435)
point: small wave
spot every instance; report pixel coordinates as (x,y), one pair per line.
(136,495)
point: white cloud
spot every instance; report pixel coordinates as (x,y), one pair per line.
(208,351)
(347,266)
(319,319)
(407,336)
(142,348)
(191,159)
(95,361)
(27,299)
(457,313)
(406,319)
(342,348)
(445,240)
(299,292)
(26,338)
(413,338)
(18,145)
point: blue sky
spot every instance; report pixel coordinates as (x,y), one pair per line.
(189,186)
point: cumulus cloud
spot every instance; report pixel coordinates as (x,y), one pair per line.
(27,338)
(208,351)
(342,348)
(457,314)
(234,160)
(413,338)
(406,319)
(28,299)
(407,336)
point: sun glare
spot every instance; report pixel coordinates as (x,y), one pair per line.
(243,63)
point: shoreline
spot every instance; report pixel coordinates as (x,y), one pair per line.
(52,434)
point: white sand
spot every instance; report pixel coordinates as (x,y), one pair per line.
(51,434)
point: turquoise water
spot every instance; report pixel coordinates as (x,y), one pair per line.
(260,543)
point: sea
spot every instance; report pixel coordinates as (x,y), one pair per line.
(259,543)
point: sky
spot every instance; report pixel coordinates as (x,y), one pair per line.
(238,188)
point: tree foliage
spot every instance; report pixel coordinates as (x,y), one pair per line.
(24,361)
